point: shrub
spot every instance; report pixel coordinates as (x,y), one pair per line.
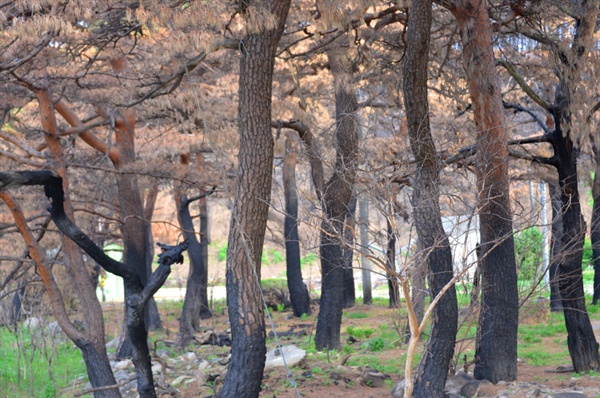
(528,252)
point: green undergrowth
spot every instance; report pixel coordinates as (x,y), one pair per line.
(33,365)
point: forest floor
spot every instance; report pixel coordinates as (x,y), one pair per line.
(371,342)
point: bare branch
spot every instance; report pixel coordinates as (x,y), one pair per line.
(510,68)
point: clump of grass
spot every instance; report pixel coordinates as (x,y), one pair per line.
(356,315)
(359,333)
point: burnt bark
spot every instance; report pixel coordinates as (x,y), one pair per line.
(595,228)
(195,303)
(496,346)
(390,263)
(365,263)
(136,293)
(348,249)
(205,311)
(92,340)
(189,320)
(298,290)
(581,341)
(251,206)
(434,247)
(555,247)
(337,194)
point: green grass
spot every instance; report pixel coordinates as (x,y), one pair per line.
(30,368)
(534,354)
(356,315)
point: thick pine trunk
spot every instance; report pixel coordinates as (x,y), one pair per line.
(434,247)
(298,290)
(337,194)
(496,346)
(251,207)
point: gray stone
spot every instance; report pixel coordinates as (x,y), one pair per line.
(113,344)
(398,390)
(162,353)
(469,390)
(122,365)
(32,323)
(292,354)
(568,395)
(457,382)
(188,357)
(373,379)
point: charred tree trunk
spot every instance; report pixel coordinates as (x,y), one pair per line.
(496,346)
(205,311)
(298,290)
(555,247)
(150,202)
(100,373)
(365,263)
(434,247)
(337,194)
(251,207)
(390,263)
(189,322)
(348,249)
(595,230)
(583,347)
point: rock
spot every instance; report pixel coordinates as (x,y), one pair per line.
(398,390)
(373,379)
(292,354)
(203,365)
(457,382)
(568,395)
(113,344)
(156,368)
(179,380)
(188,357)
(54,329)
(121,375)
(452,395)
(122,365)
(32,323)
(162,354)
(469,390)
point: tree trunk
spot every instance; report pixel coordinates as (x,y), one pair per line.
(581,340)
(365,263)
(251,207)
(496,346)
(92,341)
(434,247)
(390,263)
(418,294)
(555,247)
(189,320)
(205,311)
(298,290)
(595,229)
(337,195)
(348,249)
